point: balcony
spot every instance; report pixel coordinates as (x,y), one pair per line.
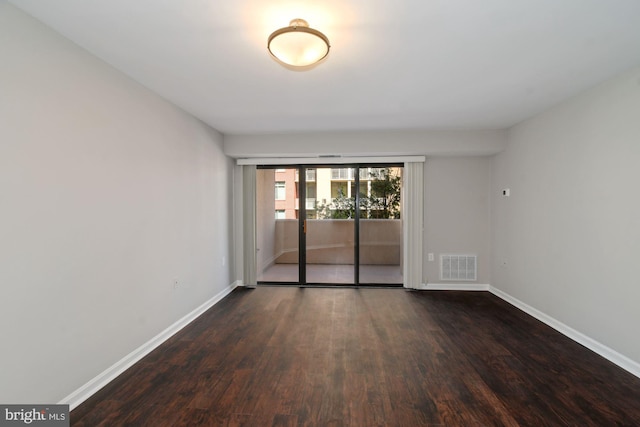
(309,205)
(330,252)
(310,175)
(347,174)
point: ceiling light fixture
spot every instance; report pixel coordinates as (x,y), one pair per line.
(297,45)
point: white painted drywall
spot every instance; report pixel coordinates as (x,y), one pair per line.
(457,214)
(567,239)
(457,179)
(107,195)
(378,143)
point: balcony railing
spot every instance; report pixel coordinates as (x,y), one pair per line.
(310,175)
(331,242)
(347,174)
(310,204)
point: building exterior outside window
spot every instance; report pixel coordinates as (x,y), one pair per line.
(325,185)
(281,191)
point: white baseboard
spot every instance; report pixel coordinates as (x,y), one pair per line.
(90,388)
(454,287)
(593,345)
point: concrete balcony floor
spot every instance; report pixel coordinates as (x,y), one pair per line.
(335,274)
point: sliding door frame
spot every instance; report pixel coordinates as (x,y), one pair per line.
(302,225)
(413,202)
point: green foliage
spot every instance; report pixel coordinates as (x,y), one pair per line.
(386,188)
(342,207)
(383,202)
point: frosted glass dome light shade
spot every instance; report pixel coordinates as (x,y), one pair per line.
(298,45)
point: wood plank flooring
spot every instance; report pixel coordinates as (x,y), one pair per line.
(285,356)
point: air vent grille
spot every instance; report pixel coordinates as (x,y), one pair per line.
(458,267)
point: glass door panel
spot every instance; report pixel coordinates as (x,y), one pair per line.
(335,225)
(329,225)
(277,213)
(380,232)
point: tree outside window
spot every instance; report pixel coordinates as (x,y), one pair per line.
(382,201)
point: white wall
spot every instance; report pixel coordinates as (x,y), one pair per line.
(107,194)
(457,179)
(567,240)
(369,143)
(457,214)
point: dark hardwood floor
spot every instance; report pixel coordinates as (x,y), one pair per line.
(284,356)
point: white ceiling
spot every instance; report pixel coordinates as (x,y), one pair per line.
(394,64)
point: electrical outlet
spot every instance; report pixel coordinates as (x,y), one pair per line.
(431,257)
(176,284)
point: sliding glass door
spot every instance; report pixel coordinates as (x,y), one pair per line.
(277,225)
(380,225)
(329,225)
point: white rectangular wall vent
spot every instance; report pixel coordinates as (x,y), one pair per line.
(458,267)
